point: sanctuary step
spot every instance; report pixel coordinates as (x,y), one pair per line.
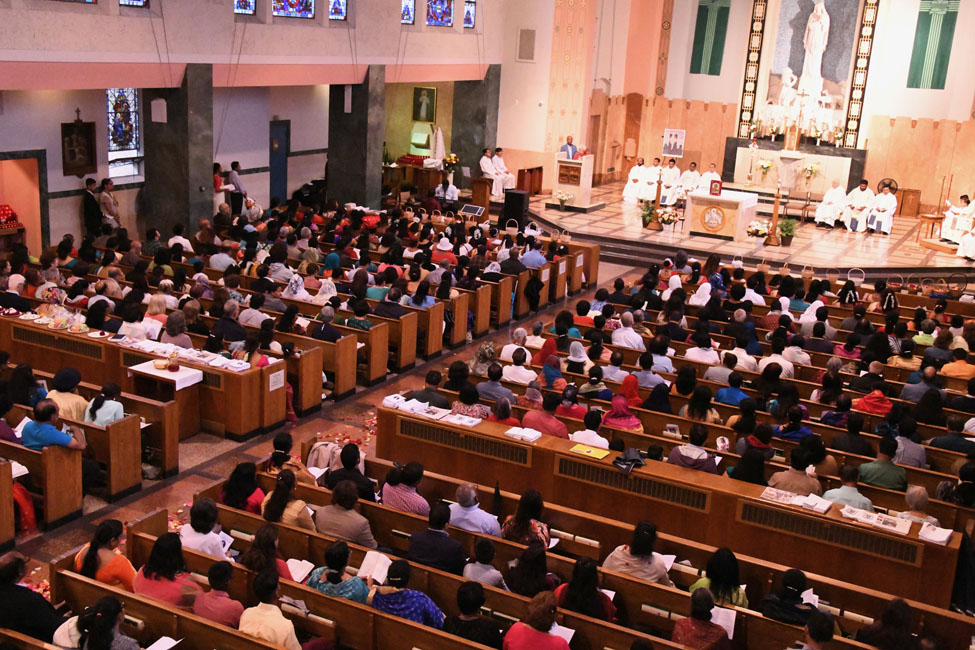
(938,245)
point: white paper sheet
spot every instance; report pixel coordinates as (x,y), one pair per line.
(725,618)
(374,565)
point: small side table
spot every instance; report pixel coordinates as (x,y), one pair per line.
(931,221)
(182,386)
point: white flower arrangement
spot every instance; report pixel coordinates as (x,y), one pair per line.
(563,197)
(758,228)
(810,170)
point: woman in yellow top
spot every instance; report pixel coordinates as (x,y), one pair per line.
(100,560)
(722,580)
(281,506)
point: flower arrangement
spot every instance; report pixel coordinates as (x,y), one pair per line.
(667,216)
(450,163)
(765,164)
(647,213)
(758,228)
(810,170)
(563,197)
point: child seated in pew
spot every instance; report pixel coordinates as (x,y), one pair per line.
(216,605)
(581,594)
(96,627)
(697,631)
(100,560)
(199,535)
(164,575)
(481,570)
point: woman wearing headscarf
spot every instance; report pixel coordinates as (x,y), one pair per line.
(620,416)
(484,357)
(295,289)
(552,374)
(331,264)
(549,348)
(700,297)
(532,398)
(578,361)
(630,389)
(492,272)
(672,284)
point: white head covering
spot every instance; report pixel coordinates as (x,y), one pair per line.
(701,296)
(444,244)
(784,303)
(492,267)
(577,353)
(673,283)
(809,316)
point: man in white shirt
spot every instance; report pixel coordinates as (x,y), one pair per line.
(703,351)
(220,261)
(614,371)
(631,191)
(833,203)
(745,360)
(710,175)
(625,336)
(178,238)
(502,168)
(253,315)
(858,203)
(670,179)
(651,176)
(958,220)
(778,347)
(500,181)
(589,435)
(516,371)
(881,217)
(689,181)
(794,352)
(750,294)
(447,191)
(518,338)
(265,621)
(466,514)
(198,535)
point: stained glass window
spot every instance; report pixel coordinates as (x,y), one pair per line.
(134,3)
(247,7)
(440,13)
(470,13)
(408,14)
(294,8)
(338,9)
(124,137)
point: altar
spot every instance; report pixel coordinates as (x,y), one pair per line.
(724,217)
(740,160)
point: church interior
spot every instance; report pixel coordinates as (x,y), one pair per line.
(487,323)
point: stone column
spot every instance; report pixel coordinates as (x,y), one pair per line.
(178,164)
(355,140)
(475,123)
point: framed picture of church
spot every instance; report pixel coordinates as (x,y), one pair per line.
(78,155)
(424,104)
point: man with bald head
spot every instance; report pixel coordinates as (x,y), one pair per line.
(929,381)
(466,514)
(625,336)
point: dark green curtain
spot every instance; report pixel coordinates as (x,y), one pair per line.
(710,30)
(932,44)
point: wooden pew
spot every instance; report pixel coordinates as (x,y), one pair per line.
(7,524)
(480,306)
(56,473)
(710,509)
(501,300)
(18,640)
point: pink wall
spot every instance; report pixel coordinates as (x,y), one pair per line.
(19,190)
(641,46)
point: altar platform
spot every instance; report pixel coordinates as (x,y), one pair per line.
(619,229)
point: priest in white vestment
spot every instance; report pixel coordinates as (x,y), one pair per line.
(508,179)
(689,181)
(858,203)
(489,171)
(651,176)
(631,191)
(710,175)
(669,179)
(882,211)
(829,209)
(958,219)
(966,248)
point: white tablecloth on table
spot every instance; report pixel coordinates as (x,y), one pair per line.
(182,378)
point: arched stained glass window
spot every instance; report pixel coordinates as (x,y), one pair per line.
(124,133)
(408,13)
(470,13)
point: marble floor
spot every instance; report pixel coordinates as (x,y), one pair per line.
(817,247)
(205,459)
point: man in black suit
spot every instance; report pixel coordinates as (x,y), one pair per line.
(11,297)
(434,547)
(619,295)
(390,307)
(866,382)
(326,331)
(228,325)
(513,265)
(350,472)
(92,209)
(818,342)
(673,328)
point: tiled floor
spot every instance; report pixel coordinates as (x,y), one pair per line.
(206,458)
(817,247)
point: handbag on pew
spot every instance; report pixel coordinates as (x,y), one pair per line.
(564,237)
(807,272)
(763,266)
(630,458)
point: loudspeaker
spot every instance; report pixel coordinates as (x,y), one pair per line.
(515,207)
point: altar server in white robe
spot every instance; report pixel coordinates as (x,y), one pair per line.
(958,219)
(631,191)
(858,203)
(689,181)
(881,217)
(710,175)
(488,171)
(829,209)
(966,248)
(651,176)
(509,180)
(670,180)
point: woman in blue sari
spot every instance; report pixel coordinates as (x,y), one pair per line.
(333,580)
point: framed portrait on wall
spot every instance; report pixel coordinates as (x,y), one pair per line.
(424,104)
(673,143)
(78,155)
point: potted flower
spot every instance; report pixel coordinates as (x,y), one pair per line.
(648,214)
(563,198)
(667,216)
(787,230)
(450,164)
(809,171)
(765,164)
(758,228)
